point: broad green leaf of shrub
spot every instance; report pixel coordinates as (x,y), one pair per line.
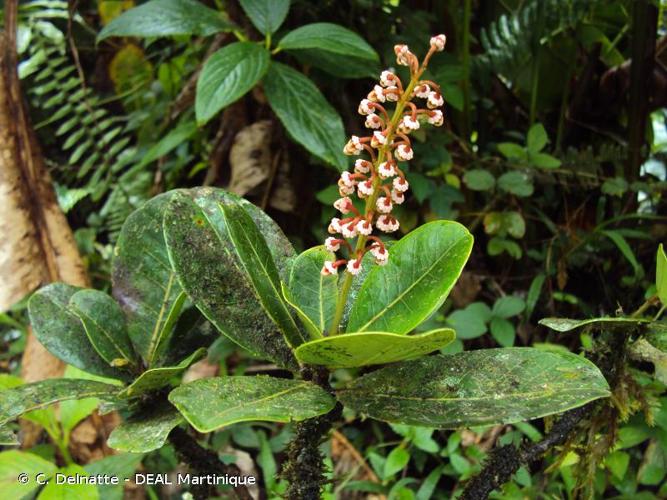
(211,403)
(167,18)
(479,179)
(208,268)
(543,160)
(661,275)
(567,325)
(266,15)
(147,431)
(306,114)
(489,386)
(422,269)
(328,37)
(470,323)
(537,138)
(516,183)
(15,462)
(15,402)
(503,331)
(313,295)
(59,490)
(61,332)
(350,350)
(508,306)
(257,261)
(512,151)
(104,322)
(227,75)
(144,283)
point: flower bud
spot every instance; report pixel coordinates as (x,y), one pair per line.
(349,230)
(378,139)
(365,189)
(345,190)
(362,166)
(383,205)
(329,268)
(379,94)
(388,79)
(353,146)
(400,184)
(387,223)
(438,42)
(435,100)
(364,227)
(403,55)
(391,94)
(422,90)
(365,107)
(332,244)
(354,266)
(404,152)
(436,118)
(346,179)
(386,169)
(397,197)
(373,121)
(334,226)
(410,123)
(380,253)
(343,205)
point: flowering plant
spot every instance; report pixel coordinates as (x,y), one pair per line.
(204,253)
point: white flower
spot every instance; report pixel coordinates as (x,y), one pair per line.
(344,205)
(435,100)
(422,90)
(397,196)
(386,169)
(380,253)
(379,93)
(365,188)
(373,97)
(403,55)
(378,139)
(436,118)
(383,204)
(354,266)
(400,184)
(387,78)
(410,123)
(345,190)
(387,223)
(328,268)
(404,152)
(365,107)
(353,146)
(346,179)
(391,94)
(362,166)
(332,244)
(438,42)
(334,226)
(364,227)
(373,121)
(349,230)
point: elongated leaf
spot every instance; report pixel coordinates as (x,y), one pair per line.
(167,18)
(156,378)
(371,348)
(227,75)
(104,322)
(661,274)
(147,431)
(306,114)
(313,295)
(266,15)
(625,249)
(208,404)
(423,267)
(15,462)
(60,330)
(257,261)
(328,37)
(15,402)
(121,465)
(567,325)
(489,386)
(144,283)
(209,270)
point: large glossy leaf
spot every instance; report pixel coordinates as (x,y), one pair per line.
(146,431)
(661,274)
(567,324)
(208,268)
(328,37)
(313,295)
(104,322)
(489,386)
(266,15)
(166,18)
(211,403)
(156,378)
(15,402)
(371,348)
(227,75)
(423,267)
(144,283)
(60,330)
(306,114)
(257,262)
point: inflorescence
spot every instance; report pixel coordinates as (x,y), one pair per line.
(379,180)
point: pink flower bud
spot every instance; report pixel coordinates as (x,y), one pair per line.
(383,205)
(380,253)
(436,118)
(435,100)
(373,121)
(344,205)
(346,179)
(404,152)
(362,166)
(332,244)
(387,223)
(438,42)
(397,197)
(329,268)
(354,266)
(365,107)
(365,188)
(386,169)
(388,79)
(378,139)
(349,230)
(334,226)
(379,94)
(364,227)
(409,123)
(422,90)
(344,189)
(353,146)
(403,55)
(391,94)
(400,184)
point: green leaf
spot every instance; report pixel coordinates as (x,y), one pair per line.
(64,490)
(60,330)
(146,431)
(15,402)
(104,323)
(144,283)
(508,306)
(166,144)
(516,183)
(121,465)
(227,75)
(422,269)
(515,224)
(328,37)
(306,114)
(74,411)
(567,325)
(497,245)
(212,403)
(340,66)
(470,323)
(13,463)
(396,461)
(503,331)
(313,295)
(210,272)
(266,15)
(350,350)
(616,186)
(167,18)
(617,238)
(257,261)
(537,138)
(543,160)
(512,151)
(479,180)
(156,378)
(617,463)
(489,386)
(661,274)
